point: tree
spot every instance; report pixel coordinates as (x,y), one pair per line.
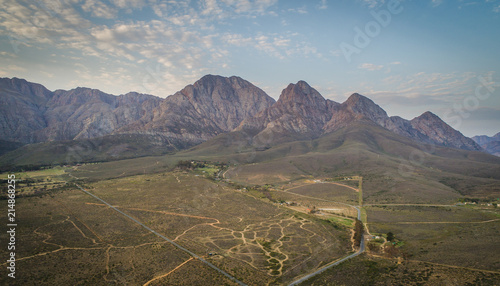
(185,165)
(358,232)
(390,236)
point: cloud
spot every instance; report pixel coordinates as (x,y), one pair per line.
(322,5)
(128,4)
(373,3)
(7,54)
(99,9)
(436,3)
(279,47)
(15,68)
(223,9)
(422,88)
(370,67)
(299,10)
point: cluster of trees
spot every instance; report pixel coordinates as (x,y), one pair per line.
(186,165)
(359,229)
(191,165)
(264,192)
(390,236)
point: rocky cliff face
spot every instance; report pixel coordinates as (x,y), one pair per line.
(211,106)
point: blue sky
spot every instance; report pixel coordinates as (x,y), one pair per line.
(407,56)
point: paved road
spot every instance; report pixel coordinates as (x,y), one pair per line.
(408,205)
(361,250)
(164,237)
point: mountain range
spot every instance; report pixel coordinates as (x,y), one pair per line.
(134,124)
(490,144)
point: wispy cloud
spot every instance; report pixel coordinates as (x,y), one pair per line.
(99,9)
(373,3)
(277,46)
(440,87)
(370,67)
(322,5)
(299,10)
(436,3)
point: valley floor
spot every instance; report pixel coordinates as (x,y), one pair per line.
(192,228)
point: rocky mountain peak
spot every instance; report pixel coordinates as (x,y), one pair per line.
(301,93)
(356,107)
(208,82)
(212,105)
(300,112)
(362,105)
(23,87)
(429,116)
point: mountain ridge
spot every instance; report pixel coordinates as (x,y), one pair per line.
(211,106)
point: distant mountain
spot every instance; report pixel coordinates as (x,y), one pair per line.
(490,144)
(213,105)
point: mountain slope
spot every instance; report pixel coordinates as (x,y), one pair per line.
(395,168)
(100,149)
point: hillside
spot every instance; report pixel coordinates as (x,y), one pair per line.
(396,168)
